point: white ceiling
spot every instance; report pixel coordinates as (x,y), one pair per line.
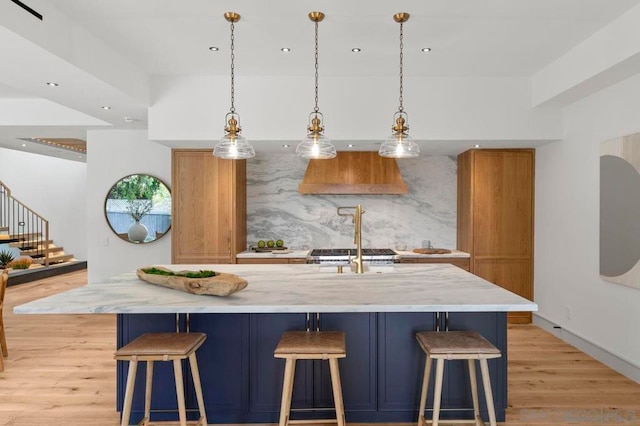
(161,37)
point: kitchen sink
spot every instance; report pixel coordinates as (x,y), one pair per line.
(351,269)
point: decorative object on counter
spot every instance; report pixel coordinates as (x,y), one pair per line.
(315,145)
(400,144)
(138,208)
(233,146)
(264,249)
(619,209)
(431,251)
(196,282)
(270,245)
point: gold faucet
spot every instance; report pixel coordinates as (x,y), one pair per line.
(357,235)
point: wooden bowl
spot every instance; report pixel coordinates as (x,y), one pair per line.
(219,285)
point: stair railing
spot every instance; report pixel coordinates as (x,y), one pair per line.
(24,226)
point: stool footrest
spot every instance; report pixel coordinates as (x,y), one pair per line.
(172,423)
(325,345)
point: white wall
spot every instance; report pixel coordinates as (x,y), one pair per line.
(568,287)
(111,155)
(55,189)
(357,108)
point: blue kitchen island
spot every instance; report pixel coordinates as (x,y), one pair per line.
(380,311)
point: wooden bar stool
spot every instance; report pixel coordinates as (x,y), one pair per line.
(152,347)
(327,345)
(4,278)
(449,345)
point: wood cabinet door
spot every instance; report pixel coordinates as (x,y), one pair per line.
(455,261)
(515,275)
(503,204)
(203,208)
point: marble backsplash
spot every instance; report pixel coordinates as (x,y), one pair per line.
(275,209)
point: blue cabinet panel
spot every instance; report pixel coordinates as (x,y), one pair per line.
(358,369)
(491,325)
(381,375)
(267,372)
(401,361)
(223,362)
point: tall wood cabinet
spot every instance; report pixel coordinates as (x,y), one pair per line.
(209,207)
(495,218)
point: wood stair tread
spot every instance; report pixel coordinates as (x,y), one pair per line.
(37,250)
(29,243)
(55,259)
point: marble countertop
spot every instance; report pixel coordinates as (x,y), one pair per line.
(410,254)
(250,254)
(295,288)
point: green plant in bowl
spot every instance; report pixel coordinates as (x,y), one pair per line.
(199,274)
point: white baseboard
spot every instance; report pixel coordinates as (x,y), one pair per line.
(621,365)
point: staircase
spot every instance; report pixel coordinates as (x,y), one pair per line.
(24,229)
(35,250)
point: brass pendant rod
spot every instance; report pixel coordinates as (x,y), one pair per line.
(316,17)
(232,17)
(233,108)
(401,107)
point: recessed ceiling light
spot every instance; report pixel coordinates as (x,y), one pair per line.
(356,50)
(213,49)
(351,145)
(24,144)
(285,145)
(105,107)
(426,49)
(52,84)
(476,146)
(286,49)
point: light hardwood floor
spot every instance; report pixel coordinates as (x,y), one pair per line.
(61,371)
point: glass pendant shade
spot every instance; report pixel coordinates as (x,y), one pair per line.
(399,146)
(316,147)
(234,148)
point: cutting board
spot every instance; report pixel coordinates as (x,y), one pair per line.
(431,251)
(268,249)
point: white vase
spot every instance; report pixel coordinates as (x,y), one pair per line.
(138,232)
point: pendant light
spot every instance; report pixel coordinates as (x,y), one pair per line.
(316,145)
(233,146)
(400,144)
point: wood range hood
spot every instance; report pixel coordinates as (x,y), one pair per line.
(353,173)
